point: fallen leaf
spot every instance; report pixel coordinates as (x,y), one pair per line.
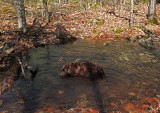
(22,100)
(60,92)
(113,104)
(144,107)
(1,102)
(82,105)
(60,59)
(93,111)
(132,94)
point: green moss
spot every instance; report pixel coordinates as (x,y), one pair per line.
(8,10)
(97,21)
(144,1)
(118,30)
(153,21)
(101,21)
(27,12)
(117,35)
(95,31)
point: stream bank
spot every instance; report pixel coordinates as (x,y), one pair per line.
(13,49)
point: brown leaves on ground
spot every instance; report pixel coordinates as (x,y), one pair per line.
(96,23)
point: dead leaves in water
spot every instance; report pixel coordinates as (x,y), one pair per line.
(60,92)
(146,105)
(132,94)
(1,102)
(60,59)
(22,100)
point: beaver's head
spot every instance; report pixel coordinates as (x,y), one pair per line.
(65,71)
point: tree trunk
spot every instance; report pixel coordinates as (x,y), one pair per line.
(19,6)
(131,20)
(65,1)
(88,4)
(31,8)
(46,10)
(115,5)
(36,10)
(81,5)
(152,9)
(59,2)
(120,10)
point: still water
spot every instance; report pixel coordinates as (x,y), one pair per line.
(132,74)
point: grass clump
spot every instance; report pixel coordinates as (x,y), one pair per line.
(153,21)
(118,30)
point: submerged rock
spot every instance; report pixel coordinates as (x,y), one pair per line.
(151,41)
(148,43)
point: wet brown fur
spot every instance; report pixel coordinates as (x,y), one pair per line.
(83,69)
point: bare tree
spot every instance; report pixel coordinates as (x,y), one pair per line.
(65,1)
(19,6)
(46,10)
(120,10)
(88,4)
(115,5)
(81,4)
(131,19)
(152,9)
(31,8)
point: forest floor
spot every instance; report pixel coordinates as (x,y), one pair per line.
(100,23)
(96,23)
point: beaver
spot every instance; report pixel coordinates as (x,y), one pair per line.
(82,69)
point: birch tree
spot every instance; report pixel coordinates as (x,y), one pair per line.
(152,9)
(115,5)
(46,10)
(19,6)
(131,19)
(120,10)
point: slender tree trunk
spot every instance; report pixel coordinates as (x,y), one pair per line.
(152,9)
(120,10)
(59,2)
(31,8)
(60,10)
(65,1)
(131,20)
(36,10)
(46,10)
(19,6)
(124,2)
(81,5)
(88,4)
(95,2)
(115,5)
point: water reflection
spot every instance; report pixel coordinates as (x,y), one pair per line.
(132,73)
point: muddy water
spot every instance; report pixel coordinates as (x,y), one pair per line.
(132,74)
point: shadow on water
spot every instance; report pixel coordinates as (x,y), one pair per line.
(98,96)
(32,99)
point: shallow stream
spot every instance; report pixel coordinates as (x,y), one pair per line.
(132,74)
